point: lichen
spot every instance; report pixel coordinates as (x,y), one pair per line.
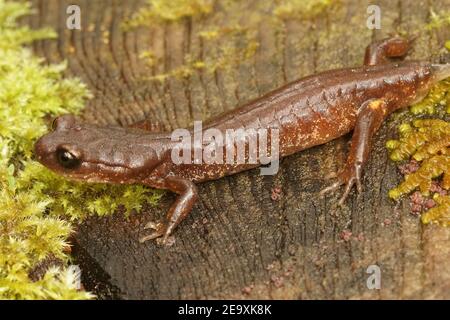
(37,206)
(157,11)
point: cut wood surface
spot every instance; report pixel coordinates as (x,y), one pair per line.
(238,242)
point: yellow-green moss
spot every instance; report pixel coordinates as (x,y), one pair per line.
(227,46)
(36,206)
(430,169)
(420,141)
(439,96)
(438,20)
(440,214)
(426,141)
(225,57)
(157,11)
(231,44)
(301,9)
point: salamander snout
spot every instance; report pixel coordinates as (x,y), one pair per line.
(39,149)
(441,71)
(44,149)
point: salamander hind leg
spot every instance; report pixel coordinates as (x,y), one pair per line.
(381,51)
(370,116)
(183,205)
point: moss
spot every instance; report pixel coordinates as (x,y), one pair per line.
(302,9)
(36,206)
(225,56)
(63,197)
(438,20)
(430,169)
(150,58)
(234,42)
(157,11)
(427,142)
(226,47)
(421,141)
(438,96)
(439,214)
(231,45)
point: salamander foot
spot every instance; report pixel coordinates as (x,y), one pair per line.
(350,176)
(159,234)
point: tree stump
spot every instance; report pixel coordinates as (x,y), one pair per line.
(238,242)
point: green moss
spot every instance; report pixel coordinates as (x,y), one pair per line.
(63,196)
(36,206)
(158,11)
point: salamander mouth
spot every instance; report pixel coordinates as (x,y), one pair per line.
(85,178)
(98,173)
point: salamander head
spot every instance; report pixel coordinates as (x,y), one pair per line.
(411,81)
(428,75)
(441,71)
(94,154)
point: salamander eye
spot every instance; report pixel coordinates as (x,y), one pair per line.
(67,159)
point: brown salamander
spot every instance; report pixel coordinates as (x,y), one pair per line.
(307,112)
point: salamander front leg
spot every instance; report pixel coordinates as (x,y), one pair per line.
(178,211)
(370,116)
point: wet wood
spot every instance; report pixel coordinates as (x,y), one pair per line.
(238,242)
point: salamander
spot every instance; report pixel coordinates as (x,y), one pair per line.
(308,112)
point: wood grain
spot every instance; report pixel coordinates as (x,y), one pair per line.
(238,242)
